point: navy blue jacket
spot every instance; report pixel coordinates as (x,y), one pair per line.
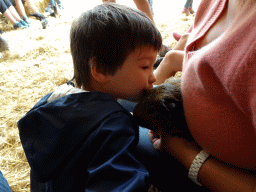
(82,142)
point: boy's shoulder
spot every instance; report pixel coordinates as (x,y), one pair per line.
(63,90)
(72,99)
(54,133)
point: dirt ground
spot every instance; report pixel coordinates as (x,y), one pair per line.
(39,60)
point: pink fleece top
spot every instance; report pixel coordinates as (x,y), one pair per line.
(219,84)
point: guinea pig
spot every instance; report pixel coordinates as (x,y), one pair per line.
(161,107)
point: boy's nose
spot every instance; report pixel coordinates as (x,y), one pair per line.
(152,79)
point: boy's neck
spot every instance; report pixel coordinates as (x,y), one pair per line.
(96,86)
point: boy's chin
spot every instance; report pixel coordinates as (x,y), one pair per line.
(135,97)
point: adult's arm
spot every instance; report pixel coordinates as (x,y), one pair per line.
(213,174)
(32,6)
(172,61)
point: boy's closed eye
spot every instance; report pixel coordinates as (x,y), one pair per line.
(147,63)
(145,67)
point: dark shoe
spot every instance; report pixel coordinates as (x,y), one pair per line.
(56,10)
(38,16)
(19,25)
(24,23)
(164,50)
(191,10)
(186,11)
(1,32)
(158,61)
(52,14)
(25,18)
(3,44)
(42,18)
(44,23)
(48,8)
(59,5)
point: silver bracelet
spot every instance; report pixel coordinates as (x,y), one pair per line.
(196,165)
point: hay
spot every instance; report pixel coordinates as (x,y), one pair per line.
(38,62)
(180,25)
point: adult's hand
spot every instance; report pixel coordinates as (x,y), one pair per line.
(155,139)
(214,174)
(182,42)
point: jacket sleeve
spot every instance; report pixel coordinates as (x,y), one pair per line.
(114,167)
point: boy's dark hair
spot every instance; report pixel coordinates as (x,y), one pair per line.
(108,33)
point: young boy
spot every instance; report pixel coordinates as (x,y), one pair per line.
(80,138)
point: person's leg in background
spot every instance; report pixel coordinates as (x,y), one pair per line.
(186,6)
(191,7)
(56,9)
(59,4)
(108,1)
(151,6)
(52,2)
(36,13)
(11,14)
(144,6)
(32,6)
(21,11)
(4,10)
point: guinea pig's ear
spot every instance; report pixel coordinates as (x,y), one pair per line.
(171,105)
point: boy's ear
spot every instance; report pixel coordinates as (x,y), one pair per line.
(97,74)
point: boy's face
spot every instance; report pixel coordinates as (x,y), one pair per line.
(135,75)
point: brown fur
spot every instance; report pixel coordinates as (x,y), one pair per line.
(161,107)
